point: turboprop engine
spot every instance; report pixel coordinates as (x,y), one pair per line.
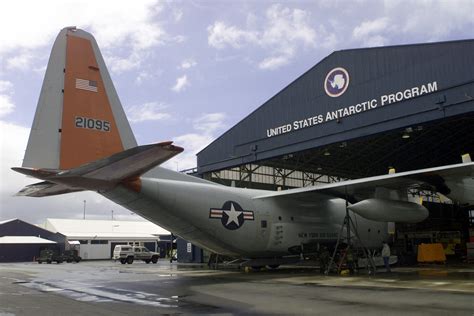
(384,210)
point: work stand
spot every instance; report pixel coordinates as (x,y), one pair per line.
(349,225)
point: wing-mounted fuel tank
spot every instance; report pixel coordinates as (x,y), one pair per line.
(384,210)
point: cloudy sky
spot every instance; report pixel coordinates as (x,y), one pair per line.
(188,70)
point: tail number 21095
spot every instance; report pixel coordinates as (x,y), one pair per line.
(95,124)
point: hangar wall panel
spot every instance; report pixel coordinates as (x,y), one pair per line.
(23,252)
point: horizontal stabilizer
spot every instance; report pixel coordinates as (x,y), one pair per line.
(104,173)
(45,189)
(37,173)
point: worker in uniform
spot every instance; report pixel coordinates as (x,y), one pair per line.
(386,255)
(350,260)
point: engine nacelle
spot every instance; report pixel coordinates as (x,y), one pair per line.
(382,210)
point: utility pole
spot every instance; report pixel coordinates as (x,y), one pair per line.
(112,214)
(84,210)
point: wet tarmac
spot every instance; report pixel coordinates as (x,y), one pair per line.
(109,288)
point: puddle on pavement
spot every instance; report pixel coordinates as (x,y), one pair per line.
(100,294)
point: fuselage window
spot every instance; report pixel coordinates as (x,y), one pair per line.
(263,224)
(279,218)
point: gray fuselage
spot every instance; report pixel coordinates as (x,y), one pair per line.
(196,210)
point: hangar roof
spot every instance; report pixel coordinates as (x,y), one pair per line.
(7,221)
(18,227)
(79,228)
(408,107)
(24,240)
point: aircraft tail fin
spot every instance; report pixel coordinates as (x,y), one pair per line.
(79,117)
(121,168)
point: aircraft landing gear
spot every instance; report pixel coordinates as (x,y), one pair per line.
(349,253)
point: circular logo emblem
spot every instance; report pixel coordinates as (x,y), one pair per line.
(336,82)
(231,215)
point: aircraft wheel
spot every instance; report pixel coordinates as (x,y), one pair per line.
(123,261)
(147,261)
(130,260)
(154,259)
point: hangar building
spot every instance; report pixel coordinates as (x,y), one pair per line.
(354,114)
(358,113)
(98,238)
(22,241)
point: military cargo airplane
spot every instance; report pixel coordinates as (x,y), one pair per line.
(81,140)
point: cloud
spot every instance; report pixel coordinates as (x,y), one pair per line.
(21,61)
(6,103)
(284,31)
(181,83)
(423,17)
(370,32)
(207,127)
(177,15)
(192,144)
(132,27)
(418,21)
(188,63)
(330,40)
(13,143)
(5,86)
(142,76)
(118,64)
(286,26)
(210,123)
(113,22)
(273,62)
(221,36)
(150,111)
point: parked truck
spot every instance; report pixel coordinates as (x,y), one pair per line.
(49,256)
(127,254)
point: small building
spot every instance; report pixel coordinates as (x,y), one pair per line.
(23,248)
(188,253)
(22,241)
(97,238)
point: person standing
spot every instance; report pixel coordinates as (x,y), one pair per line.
(386,256)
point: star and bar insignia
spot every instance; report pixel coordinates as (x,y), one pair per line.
(231,214)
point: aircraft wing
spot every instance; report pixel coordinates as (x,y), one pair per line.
(454,181)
